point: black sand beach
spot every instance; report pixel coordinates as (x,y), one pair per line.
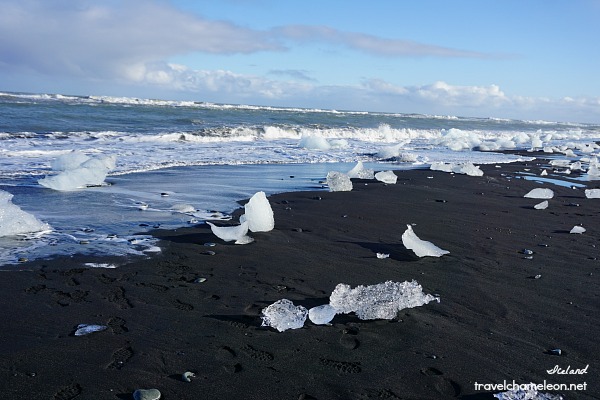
(495,321)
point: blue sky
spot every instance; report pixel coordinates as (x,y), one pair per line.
(532,59)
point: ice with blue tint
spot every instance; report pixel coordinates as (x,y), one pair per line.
(76,171)
(338,182)
(283,315)
(15,221)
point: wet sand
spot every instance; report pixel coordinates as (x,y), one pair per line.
(495,320)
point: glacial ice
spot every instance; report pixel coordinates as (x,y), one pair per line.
(14,221)
(322,315)
(85,329)
(540,193)
(237,234)
(577,229)
(421,248)
(593,172)
(541,206)
(338,182)
(76,170)
(380,301)
(283,315)
(259,214)
(359,171)
(388,177)
(390,152)
(526,394)
(312,142)
(466,168)
(592,193)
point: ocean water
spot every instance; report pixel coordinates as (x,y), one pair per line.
(202,158)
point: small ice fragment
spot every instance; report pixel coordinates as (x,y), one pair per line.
(382,255)
(380,301)
(283,315)
(538,276)
(460,168)
(338,182)
(527,252)
(183,208)
(231,233)
(359,171)
(544,173)
(388,177)
(85,329)
(540,193)
(527,393)
(100,265)
(577,229)
(541,206)
(146,394)
(422,248)
(186,376)
(592,193)
(259,214)
(14,221)
(321,315)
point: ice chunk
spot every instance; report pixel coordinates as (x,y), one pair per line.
(283,315)
(540,193)
(527,392)
(459,168)
(386,177)
(541,206)
(577,229)
(259,213)
(421,248)
(592,193)
(544,173)
(593,172)
(77,171)
(380,301)
(359,171)
(390,152)
(232,233)
(321,315)
(14,221)
(338,182)
(183,208)
(312,142)
(85,329)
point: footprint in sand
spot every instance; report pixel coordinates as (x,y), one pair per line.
(440,383)
(256,354)
(117,325)
(344,367)
(68,392)
(120,358)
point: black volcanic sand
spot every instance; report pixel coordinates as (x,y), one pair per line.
(495,321)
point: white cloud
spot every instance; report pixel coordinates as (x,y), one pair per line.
(373,44)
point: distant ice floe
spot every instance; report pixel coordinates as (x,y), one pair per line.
(14,221)
(380,301)
(421,248)
(540,193)
(388,177)
(466,168)
(313,142)
(77,170)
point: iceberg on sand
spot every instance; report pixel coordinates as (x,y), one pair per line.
(14,221)
(541,206)
(388,177)
(592,193)
(577,229)
(283,315)
(458,168)
(540,193)
(338,182)
(76,170)
(259,214)
(380,301)
(421,248)
(235,234)
(321,315)
(359,171)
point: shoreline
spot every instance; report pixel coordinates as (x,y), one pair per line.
(494,322)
